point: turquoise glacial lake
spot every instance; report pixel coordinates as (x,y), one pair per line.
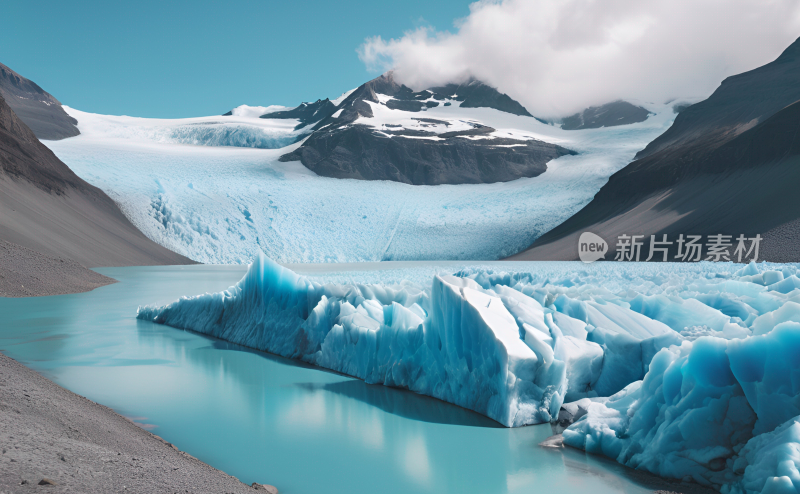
(266,419)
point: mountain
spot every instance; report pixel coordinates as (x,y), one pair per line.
(40,111)
(475,94)
(48,214)
(728,165)
(374,134)
(306,113)
(608,115)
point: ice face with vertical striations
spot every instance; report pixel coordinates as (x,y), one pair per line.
(720,412)
(688,371)
(455,341)
(513,345)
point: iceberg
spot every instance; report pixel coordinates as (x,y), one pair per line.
(455,341)
(515,345)
(722,406)
(687,371)
(723,413)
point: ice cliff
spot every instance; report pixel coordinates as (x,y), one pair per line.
(512,346)
(454,341)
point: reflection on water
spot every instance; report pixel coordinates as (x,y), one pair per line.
(271,420)
(404,403)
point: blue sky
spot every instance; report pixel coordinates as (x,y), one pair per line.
(190,58)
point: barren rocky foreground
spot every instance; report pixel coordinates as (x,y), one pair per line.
(27,273)
(52,440)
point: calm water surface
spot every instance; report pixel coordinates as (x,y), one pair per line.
(271,420)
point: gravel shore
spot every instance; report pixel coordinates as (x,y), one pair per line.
(52,440)
(27,273)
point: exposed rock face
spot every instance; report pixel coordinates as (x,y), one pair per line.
(23,157)
(341,147)
(475,94)
(728,165)
(307,113)
(45,207)
(359,152)
(471,94)
(608,115)
(38,109)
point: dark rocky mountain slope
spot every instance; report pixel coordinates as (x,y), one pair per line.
(475,94)
(341,147)
(357,152)
(608,115)
(40,111)
(727,165)
(306,113)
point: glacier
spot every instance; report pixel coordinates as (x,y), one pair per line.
(212,188)
(243,128)
(515,341)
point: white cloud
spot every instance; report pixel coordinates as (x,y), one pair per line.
(560,56)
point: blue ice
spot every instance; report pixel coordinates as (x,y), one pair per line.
(721,410)
(513,345)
